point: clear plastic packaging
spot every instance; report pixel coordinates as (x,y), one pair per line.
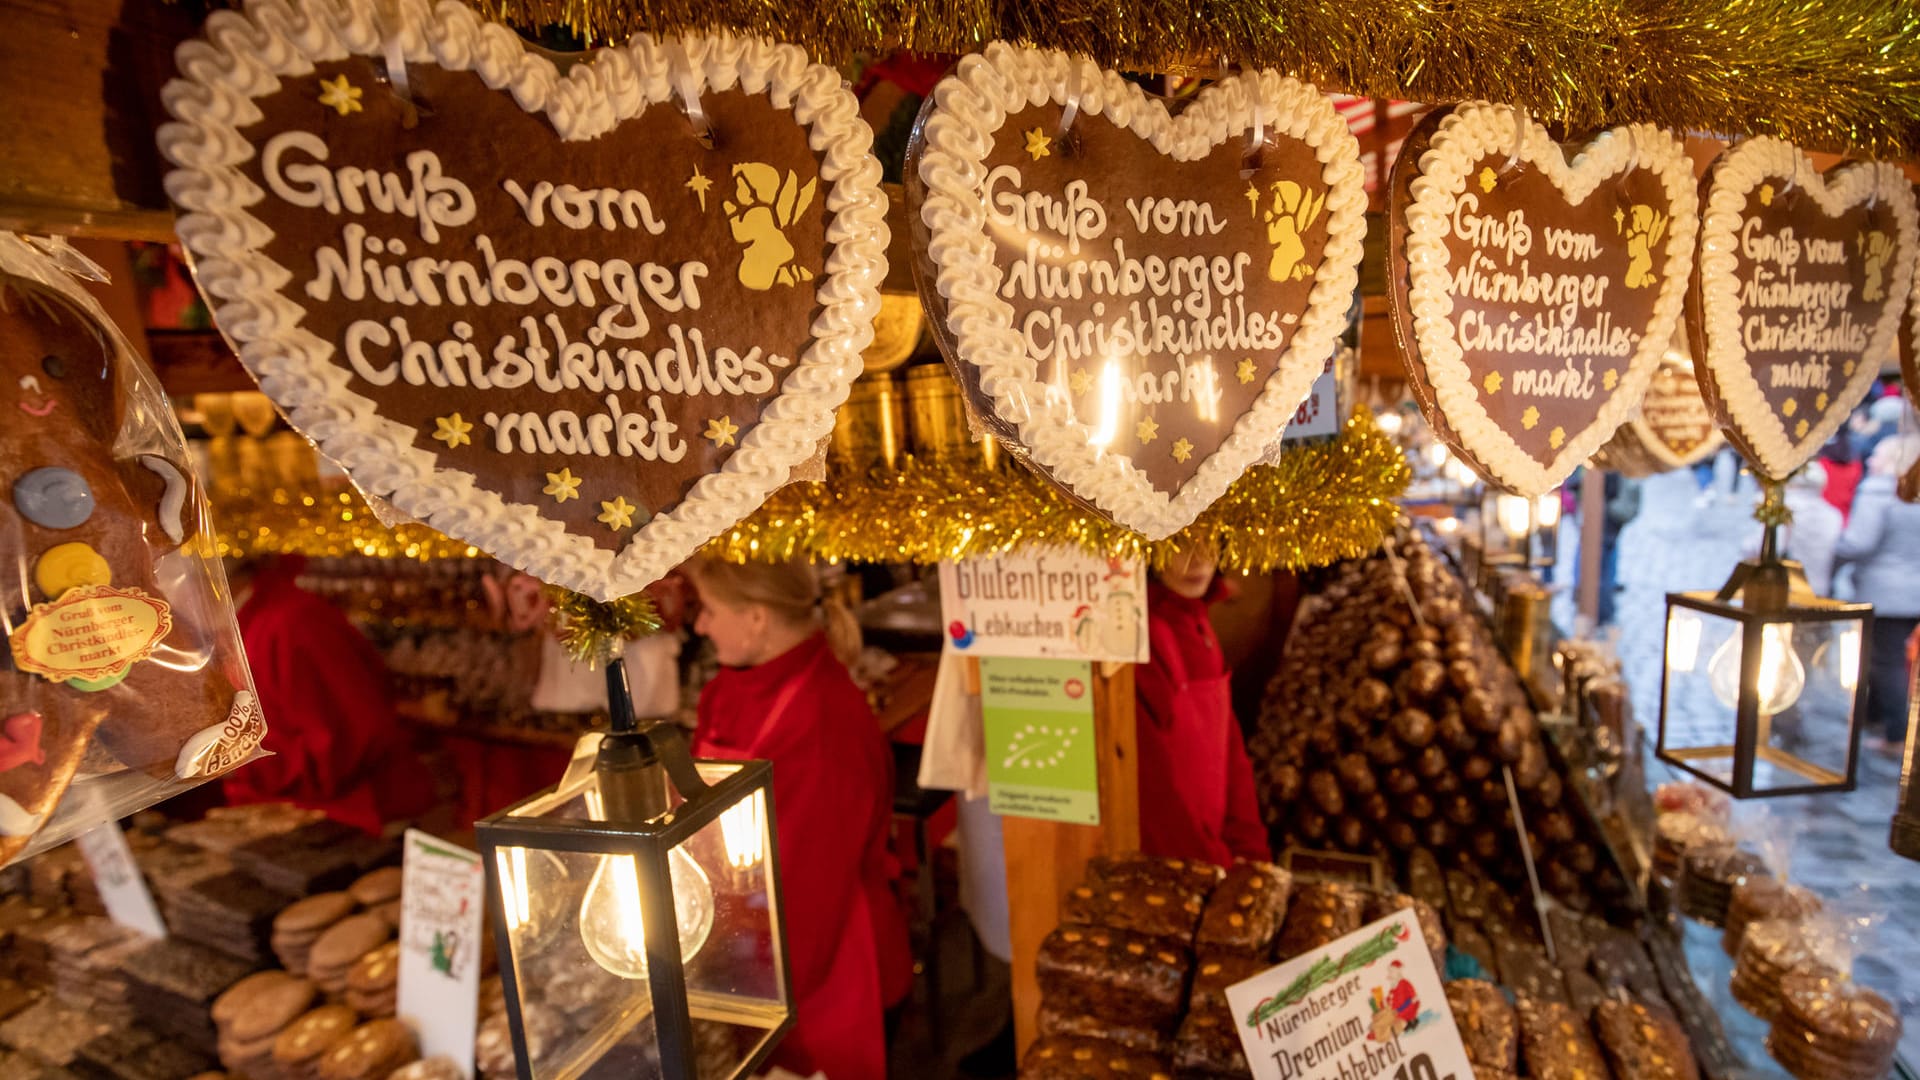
(124,682)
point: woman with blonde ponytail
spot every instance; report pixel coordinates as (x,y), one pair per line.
(783,695)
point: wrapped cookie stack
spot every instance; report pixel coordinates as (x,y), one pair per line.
(1391,722)
(1770,950)
(1759,898)
(1830,1027)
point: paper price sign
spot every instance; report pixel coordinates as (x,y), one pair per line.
(1367,1007)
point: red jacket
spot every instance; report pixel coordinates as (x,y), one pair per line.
(337,747)
(833,807)
(1196,784)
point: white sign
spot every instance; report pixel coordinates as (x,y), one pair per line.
(122,890)
(1367,1007)
(442,896)
(1055,603)
(1319,415)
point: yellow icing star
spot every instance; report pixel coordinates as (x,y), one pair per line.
(1792,406)
(1800,430)
(1182,450)
(1039,144)
(1080,381)
(700,184)
(452,430)
(1147,430)
(617,514)
(1619,220)
(1492,382)
(1611,379)
(1557,436)
(1244,372)
(1253,199)
(1766,194)
(340,95)
(562,485)
(1820,402)
(722,430)
(1529,418)
(1488,178)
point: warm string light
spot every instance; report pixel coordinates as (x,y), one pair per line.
(1827,74)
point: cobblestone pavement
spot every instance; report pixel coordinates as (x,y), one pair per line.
(1841,849)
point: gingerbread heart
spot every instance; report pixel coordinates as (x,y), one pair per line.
(582,320)
(1134,301)
(1803,279)
(1533,295)
(1674,428)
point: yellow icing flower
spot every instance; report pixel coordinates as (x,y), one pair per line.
(1800,430)
(1530,418)
(1147,430)
(1039,144)
(340,95)
(1611,379)
(1080,382)
(1820,402)
(617,514)
(1182,450)
(1245,371)
(1766,194)
(1792,406)
(1488,179)
(1556,437)
(562,485)
(452,430)
(1492,382)
(722,430)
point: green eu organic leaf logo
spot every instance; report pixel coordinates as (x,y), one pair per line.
(1039,746)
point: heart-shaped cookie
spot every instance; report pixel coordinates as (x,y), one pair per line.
(1533,296)
(1803,279)
(534,309)
(1674,428)
(1135,301)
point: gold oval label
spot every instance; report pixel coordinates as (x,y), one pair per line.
(93,632)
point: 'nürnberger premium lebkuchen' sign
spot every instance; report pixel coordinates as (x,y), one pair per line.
(1532,296)
(535,310)
(1135,301)
(1802,283)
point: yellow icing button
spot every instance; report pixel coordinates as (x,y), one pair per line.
(69,566)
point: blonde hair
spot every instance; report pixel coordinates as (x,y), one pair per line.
(790,590)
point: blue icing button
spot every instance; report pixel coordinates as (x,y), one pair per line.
(53,498)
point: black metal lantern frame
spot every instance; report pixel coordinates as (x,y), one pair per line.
(1905,835)
(644,834)
(1536,545)
(1767,601)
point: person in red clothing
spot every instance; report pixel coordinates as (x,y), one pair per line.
(1194,772)
(783,695)
(336,745)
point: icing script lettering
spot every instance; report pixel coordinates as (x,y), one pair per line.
(593,311)
(1549,311)
(1806,320)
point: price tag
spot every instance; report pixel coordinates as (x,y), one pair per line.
(1367,1007)
(442,896)
(117,876)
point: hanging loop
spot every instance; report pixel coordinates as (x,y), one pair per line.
(394,54)
(1519,139)
(1072,112)
(1256,135)
(686,87)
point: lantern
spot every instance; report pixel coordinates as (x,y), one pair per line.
(637,910)
(1519,531)
(1761,692)
(1906,820)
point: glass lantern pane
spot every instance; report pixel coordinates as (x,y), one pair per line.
(735,986)
(1698,717)
(573,921)
(1809,677)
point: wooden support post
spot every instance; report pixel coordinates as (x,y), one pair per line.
(1593,523)
(1045,859)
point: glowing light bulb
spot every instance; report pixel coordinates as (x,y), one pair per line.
(1780,678)
(1449,525)
(1683,641)
(1546,510)
(1390,423)
(1515,515)
(743,834)
(1850,658)
(611,923)
(1437,455)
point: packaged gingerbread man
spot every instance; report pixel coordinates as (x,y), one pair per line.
(123,682)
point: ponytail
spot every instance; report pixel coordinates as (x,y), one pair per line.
(843,629)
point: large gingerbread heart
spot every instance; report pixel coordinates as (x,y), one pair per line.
(1533,296)
(1802,282)
(533,309)
(1135,301)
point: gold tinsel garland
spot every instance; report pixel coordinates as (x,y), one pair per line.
(1826,74)
(1322,502)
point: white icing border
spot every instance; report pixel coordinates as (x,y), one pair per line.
(1724,358)
(241,57)
(1466,135)
(971,104)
